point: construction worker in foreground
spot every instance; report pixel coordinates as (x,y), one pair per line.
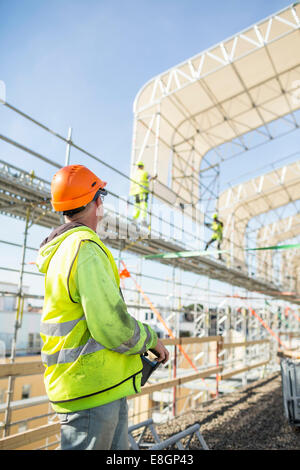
(217,236)
(140,190)
(91,344)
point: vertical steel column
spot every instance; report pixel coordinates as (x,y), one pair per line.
(219,349)
(134,406)
(177,335)
(155,167)
(18,322)
(232,231)
(174,377)
(67,162)
(68,149)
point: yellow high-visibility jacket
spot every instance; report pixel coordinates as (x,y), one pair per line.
(140,183)
(91,345)
(217,230)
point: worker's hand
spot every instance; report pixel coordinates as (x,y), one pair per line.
(162,352)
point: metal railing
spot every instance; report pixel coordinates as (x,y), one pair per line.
(181,376)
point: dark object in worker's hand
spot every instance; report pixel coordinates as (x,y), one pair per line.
(148,366)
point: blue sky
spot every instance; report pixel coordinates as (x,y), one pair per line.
(80,63)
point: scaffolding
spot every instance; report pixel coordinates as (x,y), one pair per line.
(224,321)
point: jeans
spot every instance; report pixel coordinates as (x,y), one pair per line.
(101,428)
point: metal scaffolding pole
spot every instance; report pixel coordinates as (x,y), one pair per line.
(68,148)
(18,322)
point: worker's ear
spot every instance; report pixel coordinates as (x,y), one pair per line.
(99,207)
(98,201)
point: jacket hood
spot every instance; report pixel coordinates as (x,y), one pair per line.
(50,245)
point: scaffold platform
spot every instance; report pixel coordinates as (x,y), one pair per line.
(20,190)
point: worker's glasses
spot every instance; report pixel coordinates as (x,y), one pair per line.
(100,194)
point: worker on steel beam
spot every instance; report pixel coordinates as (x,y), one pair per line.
(140,190)
(91,344)
(217,236)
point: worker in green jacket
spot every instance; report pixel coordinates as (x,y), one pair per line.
(217,236)
(91,344)
(139,188)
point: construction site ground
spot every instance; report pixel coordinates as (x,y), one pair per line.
(251,418)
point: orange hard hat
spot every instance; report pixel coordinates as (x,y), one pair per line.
(74,186)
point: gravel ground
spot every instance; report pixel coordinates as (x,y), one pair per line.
(249,419)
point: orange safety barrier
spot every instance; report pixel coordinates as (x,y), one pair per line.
(265,325)
(293,313)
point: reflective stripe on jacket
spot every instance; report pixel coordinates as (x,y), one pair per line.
(91,345)
(140,183)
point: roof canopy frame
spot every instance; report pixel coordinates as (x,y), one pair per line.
(178,139)
(257,196)
(283,230)
(175,73)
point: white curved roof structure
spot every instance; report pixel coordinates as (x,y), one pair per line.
(283,229)
(260,195)
(273,234)
(291,268)
(241,85)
